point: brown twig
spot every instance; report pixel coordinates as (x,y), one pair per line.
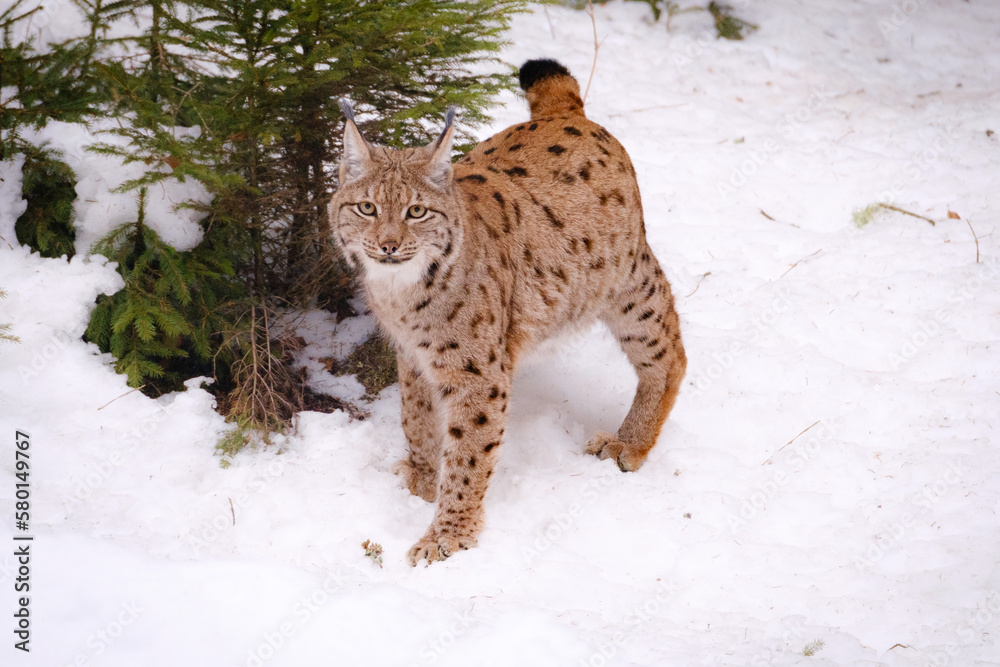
(703,276)
(122,396)
(549,19)
(661,106)
(597,46)
(790,442)
(233,510)
(798,262)
(974,236)
(905,212)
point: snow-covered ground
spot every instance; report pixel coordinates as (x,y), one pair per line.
(830,472)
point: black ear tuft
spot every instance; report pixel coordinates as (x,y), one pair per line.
(534,71)
(346,107)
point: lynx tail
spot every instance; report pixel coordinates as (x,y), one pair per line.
(550,88)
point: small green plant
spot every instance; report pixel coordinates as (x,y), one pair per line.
(813,647)
(654,5)
(232,442)
(727,26)
(373,550)
(863,216)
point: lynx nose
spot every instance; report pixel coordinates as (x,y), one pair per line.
(389,247)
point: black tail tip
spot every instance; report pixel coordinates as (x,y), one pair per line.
(534,71)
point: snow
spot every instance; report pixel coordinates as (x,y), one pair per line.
(100,207)
(829,472)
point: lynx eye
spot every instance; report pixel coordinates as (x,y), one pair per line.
(416,211)
(366,208)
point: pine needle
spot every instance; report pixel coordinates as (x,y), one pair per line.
(974,235)
(905,212)
(791,441)
(122,396)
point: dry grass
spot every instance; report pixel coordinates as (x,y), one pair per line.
(373,363)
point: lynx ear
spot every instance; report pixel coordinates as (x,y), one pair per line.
(356,156)
(439,166)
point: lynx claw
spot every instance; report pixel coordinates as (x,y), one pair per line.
(415,482)
(606,445)
(437,547)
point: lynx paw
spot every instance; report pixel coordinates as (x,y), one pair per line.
(436,546)
(606,445)
(419,484)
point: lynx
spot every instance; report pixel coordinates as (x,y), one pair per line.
(468,266)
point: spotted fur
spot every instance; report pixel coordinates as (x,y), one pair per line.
(537,230)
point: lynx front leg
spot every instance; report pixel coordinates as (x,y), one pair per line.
(646,325)
(422,428)
(475,417)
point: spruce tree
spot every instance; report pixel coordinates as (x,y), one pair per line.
(260,79)
(240,96)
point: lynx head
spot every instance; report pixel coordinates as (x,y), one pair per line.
(396,214)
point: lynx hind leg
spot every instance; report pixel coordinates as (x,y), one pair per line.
(646,325)
(420,423)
